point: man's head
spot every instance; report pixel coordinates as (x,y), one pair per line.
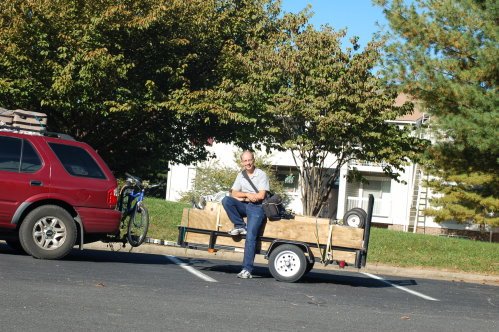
(248,160)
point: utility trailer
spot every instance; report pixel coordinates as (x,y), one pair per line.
(292,247)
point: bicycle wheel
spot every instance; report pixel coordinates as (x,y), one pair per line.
(138,225)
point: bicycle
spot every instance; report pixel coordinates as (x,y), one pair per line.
(134,214)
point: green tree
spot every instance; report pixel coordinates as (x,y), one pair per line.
(445,54)
(305,93)
(110,72)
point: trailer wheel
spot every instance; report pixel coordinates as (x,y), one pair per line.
(355,217)
(287,263)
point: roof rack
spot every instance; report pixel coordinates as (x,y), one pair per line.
(36,132)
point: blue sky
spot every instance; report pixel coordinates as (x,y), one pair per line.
(358,16)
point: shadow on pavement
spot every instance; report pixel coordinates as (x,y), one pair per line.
(315,277)
(260,272)
(5,249)
(352,279)
(100,256)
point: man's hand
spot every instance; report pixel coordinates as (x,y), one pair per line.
(252,198)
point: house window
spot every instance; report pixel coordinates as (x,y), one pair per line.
(288,176)
(380,188)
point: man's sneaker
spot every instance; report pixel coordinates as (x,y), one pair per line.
(237,231)
(244,275)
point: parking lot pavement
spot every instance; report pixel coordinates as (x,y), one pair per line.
(376,269)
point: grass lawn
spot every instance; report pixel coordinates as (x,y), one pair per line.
(419,250)
(385,246)
(164,218)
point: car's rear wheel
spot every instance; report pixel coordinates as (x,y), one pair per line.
(48,232)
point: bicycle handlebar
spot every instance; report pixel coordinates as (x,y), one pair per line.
(143,184)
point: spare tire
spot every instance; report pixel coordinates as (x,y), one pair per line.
(355,217)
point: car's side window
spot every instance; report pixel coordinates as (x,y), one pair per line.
(77,161)
(30,161)
(18,155)
(10,154)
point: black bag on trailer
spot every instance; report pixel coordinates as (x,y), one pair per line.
(272,204)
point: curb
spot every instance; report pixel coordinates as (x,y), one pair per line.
(161,242)
(164,247)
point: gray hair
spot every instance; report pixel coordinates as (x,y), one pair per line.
(247,151)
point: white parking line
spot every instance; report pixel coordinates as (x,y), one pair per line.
(190,269)
(426,297)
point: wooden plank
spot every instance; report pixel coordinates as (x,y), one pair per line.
(185,218)
(350,237)
(224,223)
(200,219)
(298,230)
(303,229)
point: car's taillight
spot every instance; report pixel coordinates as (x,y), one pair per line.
(112,197)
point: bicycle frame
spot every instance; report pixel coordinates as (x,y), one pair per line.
(136,226)
(136,199)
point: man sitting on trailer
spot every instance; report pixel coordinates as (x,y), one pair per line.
(245,201)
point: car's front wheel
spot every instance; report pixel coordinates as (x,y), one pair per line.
(48,232)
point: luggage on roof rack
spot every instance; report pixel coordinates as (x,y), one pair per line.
(27,120)
(6,117)
(30,120)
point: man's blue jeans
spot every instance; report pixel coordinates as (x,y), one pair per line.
(237,210)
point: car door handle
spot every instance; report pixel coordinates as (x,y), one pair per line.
(36,183)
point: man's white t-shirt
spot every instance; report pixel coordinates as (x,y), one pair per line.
(259,179)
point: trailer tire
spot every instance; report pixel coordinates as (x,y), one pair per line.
(355,217)
(287,263)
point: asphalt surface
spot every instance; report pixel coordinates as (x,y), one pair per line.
(161,288)
(425,273)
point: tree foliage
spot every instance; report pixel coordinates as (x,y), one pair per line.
(305,93)
(466,198)
(445,54)
(149,81)
(111,72)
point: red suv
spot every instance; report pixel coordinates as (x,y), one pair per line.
(54,191)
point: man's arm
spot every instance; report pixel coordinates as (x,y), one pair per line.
(249,197)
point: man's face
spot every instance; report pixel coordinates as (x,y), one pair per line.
(247,161)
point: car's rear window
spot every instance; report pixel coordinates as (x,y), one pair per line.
(77,161)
